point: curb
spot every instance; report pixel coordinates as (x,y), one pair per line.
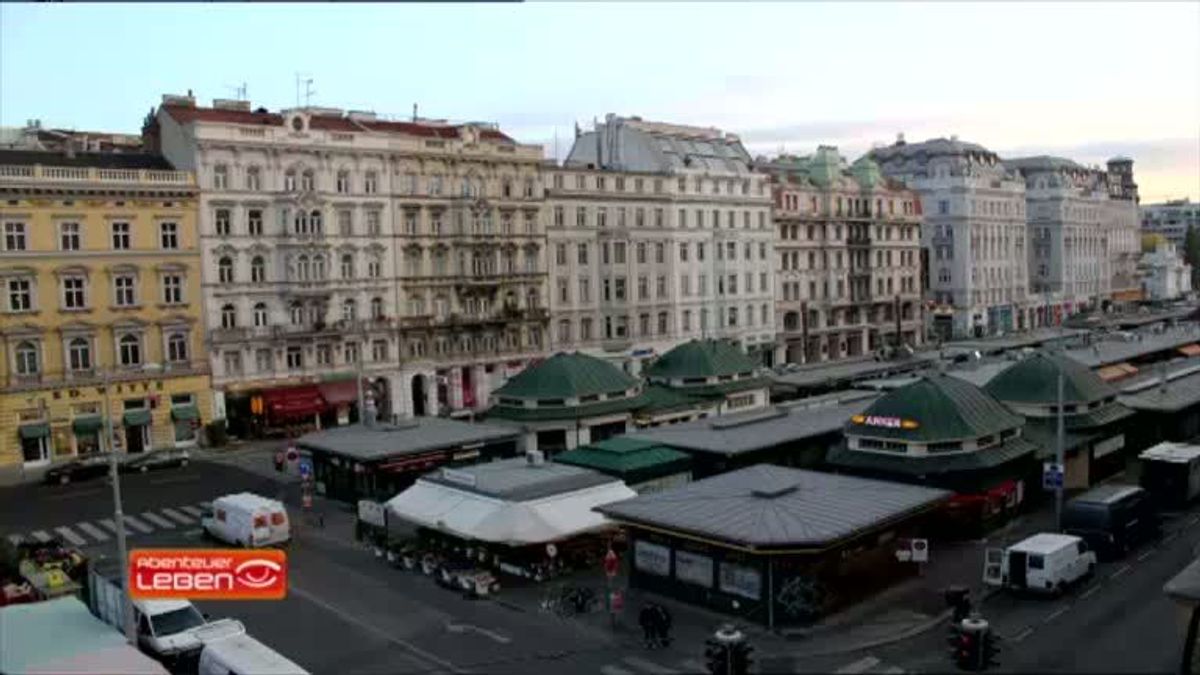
(912,631)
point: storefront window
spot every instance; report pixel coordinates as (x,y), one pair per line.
(693,568)
(652,558)
(87,442)
(741,580)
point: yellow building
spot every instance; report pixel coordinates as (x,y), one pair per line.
(100,274)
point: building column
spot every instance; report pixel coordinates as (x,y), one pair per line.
(483,386)
(455,388)
(431,394)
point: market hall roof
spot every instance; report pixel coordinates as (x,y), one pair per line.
(518,479)
(1034,380)
(775,507)
(566,386)
(625,456)
(416,435)
(701,359)
(935,409)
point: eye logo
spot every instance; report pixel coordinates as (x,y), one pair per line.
(206,574)
(258,573)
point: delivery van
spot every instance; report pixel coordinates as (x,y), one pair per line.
(240,654)
(246,519)
(1043,563)
(1112,519)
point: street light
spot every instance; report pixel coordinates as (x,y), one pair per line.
(118,515)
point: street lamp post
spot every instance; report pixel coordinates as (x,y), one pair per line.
(118,516)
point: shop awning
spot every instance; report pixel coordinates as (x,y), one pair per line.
(37,430)
(1116,372)
(1192,350)
(293,402)
(185,412)
(86,424)
(339,393)
(137,418)
(477,517)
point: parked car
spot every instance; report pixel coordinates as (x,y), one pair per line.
(246,519)
(1043,563)
(91,466)
(1112,519)
(156,459)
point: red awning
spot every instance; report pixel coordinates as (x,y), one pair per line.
(339,393)
(293,402)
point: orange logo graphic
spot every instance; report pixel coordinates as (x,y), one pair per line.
(208,574)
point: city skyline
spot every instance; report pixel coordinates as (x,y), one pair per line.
(847,75)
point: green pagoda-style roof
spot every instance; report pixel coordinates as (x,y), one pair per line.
(1035,380)
(565,376)
(628,458)
(701,359)
(934,409)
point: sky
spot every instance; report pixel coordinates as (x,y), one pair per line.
(1081,80)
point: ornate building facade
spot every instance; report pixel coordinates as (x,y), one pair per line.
(848,255)
(338,243)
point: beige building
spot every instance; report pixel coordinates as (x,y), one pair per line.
(848,255)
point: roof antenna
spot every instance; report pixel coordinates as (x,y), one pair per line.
(555,145)
(414,112)
(308,92)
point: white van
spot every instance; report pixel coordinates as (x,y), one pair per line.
(246,519)
(232,652)
(1046,563)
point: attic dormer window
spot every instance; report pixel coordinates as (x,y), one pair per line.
(297,124)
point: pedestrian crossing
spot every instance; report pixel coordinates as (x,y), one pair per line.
(638,665)
(100,530)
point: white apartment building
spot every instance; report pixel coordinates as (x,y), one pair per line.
(975,233)
(333,241)
(1165,276)
(1171,219)
(658,233)
(848,255)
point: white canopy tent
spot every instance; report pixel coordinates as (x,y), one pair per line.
(478,517)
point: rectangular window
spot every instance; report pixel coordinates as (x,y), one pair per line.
(262,361)
(683,251)
(172,289)
(14,237)
(222,219)
(169,235)
(583,254)
(619,288)
(658,213)
(661,286)
(324,354)
(254,222)
(74,296)
(124,287)
(295,358)
(373,223)
(120,236)
(69,236)
(345,223)
(20,295)
(585,290)
(660,252)
(619,253)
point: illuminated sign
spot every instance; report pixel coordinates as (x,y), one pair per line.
(885,422)
(208,574)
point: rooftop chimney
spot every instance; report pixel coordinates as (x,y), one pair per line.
(900,138)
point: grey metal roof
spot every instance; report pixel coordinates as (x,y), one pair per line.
(518,480)
(766,506)
(420,434)
(1106,494)
(1005,342)
(630,144)
(1180,393)
(980,373)
(759,429)
(930,465)
(1108,352)
(826,374)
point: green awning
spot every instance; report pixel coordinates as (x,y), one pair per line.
(185,412)
(137,418)
(87,424)
(38,430)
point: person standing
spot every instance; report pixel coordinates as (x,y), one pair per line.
(279,457)
(646,621)
(664,625)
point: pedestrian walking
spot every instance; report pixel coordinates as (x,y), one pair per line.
(664,625)
(279,460)
(646,620)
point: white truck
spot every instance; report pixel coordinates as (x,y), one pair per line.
(230,651)
(1043,563)
(166,629)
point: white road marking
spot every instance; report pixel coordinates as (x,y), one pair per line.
(1147,554)
(693,666)
(178,517)
(15,539)
(1022,635)
(69,534)
(138,525)
(110,525)
(1089,592)
(1170,537)
(464,628)
(1119,572)
(610,669)
(195,533)
(192,510)
(93,531)
(158,520)
(648,666)
(860,666)
(42,535)
(1055,614)
(376,630)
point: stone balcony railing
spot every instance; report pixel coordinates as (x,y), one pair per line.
(88,174)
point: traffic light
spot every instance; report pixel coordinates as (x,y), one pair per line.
(990,650)
(954,641)
(968,654)
(717,657)
(741,655)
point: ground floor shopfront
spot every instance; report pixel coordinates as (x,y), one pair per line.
(38,427)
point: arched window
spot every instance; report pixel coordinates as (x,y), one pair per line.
(79,354)
(253,178)
(318,267)
(228,317)
(308,181)
(258,270)
(314,221)
(260,314)
(349,310)
(177,348)
(301,222)
(376,308)
(27,359)
(296,310)
(129,349)
(347,266)
(302,268)
(225,270)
